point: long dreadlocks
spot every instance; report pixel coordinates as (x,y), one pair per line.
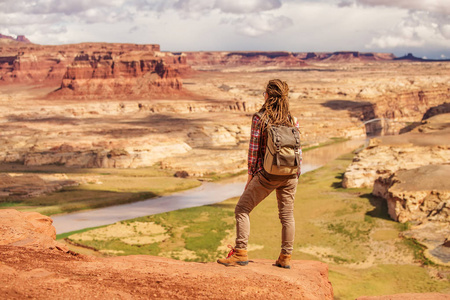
(275,109)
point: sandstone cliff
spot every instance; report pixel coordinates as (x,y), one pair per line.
(277,59)
(421,196)
(94,69)
(108,74)
(427,144)
(345,56)
(19,38)
(32,266)
(31,185)
(418,194)
(241,59)
(410,172)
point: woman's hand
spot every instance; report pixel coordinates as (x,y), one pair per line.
(249,178)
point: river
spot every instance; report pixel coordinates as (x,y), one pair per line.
(207,193)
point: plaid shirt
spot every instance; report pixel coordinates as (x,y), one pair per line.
(255,155)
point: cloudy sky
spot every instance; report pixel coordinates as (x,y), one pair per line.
(398,26)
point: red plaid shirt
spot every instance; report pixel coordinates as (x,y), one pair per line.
(255,156)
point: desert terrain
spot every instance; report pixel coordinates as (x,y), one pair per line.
(96,124)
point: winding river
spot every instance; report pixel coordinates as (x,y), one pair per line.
(207,193)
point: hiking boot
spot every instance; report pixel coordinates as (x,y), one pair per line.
(284,261)
(236,257)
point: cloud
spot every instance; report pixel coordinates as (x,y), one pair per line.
(258,24)
(418,29)
(250,18)
(437,6)
(345,3)
(248,6)
(193,8)
(198,8)
(43,7)
(427,23)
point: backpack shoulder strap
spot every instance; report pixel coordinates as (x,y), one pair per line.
(259,114)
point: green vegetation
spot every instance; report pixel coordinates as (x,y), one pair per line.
(62,236)
(199,230)
(333,140)
(349,229)
(383,280)
(101,187)
(418,250)
(218,177)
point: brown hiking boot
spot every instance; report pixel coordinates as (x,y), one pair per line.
(236,257)
(283,261)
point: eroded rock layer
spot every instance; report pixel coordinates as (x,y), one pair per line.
(418,194)
(31,185)
(94,70)
(428,144)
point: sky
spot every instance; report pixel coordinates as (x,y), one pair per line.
(421,27)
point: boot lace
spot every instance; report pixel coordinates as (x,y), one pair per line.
(232,251)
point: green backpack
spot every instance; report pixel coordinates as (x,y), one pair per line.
(282,156)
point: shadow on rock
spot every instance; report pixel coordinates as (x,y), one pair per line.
(380,209)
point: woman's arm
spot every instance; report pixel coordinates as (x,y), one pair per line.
(253,147)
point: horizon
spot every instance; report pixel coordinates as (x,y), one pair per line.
(237,51)
(398,27)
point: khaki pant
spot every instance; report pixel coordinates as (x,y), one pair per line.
(257,190)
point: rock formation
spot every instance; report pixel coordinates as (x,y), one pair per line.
(410,172)
(345,56)
(280,59)
(94,69)
(420,194)
(19,38)
(108,74)
(242,59)
(134,156)
(30,185)
(427,144)
(380,160)
(399,106)
(28,229)
(31,266)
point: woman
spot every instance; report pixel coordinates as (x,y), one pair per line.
(275,111)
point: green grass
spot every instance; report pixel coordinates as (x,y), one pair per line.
(62,236)
(333,140)
(383,280)
(222,176)
(418,250)
(197,229)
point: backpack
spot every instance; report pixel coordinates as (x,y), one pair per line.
(282,156)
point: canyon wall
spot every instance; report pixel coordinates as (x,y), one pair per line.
(410,172)
(116,75)
(277,59)
(428,144)
(91,70)
(418,195)
(242,59)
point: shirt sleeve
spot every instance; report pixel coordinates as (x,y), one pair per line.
(297,125)
(254,145)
